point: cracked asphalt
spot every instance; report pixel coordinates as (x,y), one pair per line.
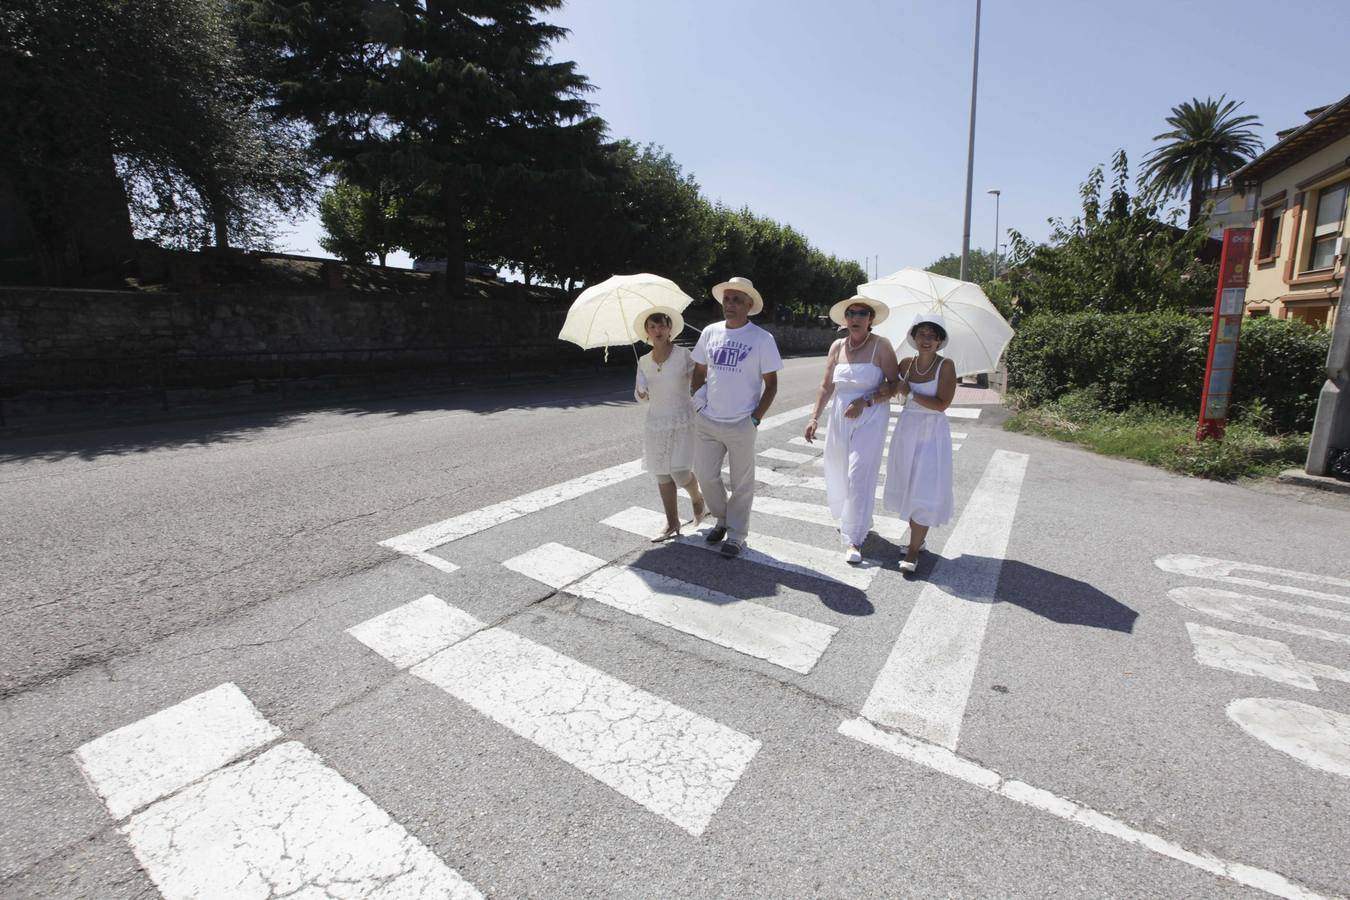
(141,566)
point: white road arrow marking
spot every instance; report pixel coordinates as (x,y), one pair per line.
(1314,736)
(1247,655)
(1243,608)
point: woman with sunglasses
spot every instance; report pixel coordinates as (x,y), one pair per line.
(919,470)
(857,371)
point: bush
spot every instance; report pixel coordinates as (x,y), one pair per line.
(1158,359)
(1161,437)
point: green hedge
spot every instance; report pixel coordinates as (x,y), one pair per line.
(1158,359)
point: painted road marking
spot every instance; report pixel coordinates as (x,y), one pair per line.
(284,824)
(150,759)
(786,455)
(819,443)
(925,684)
(766,550)
(410,633)
(1223,569)
(1242,608)
(943,760)
(669,760)
(885,526)
(953,412)
(1263,658)
(457,527)
(786,640)
(557,565)
(417,542)
(819,462)
(1314,736)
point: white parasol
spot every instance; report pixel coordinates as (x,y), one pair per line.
(603,315)
(977,333)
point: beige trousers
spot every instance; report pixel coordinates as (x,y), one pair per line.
(735,440)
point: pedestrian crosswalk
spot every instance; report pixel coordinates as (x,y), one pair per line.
(213,772)
(214,799)
(206,820)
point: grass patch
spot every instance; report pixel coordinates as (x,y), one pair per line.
(1163,438)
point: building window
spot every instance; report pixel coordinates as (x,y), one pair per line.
(1327,226)
(1270,233)
(1258,312)
(1313,315)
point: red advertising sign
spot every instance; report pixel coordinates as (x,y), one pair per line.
(1229,302)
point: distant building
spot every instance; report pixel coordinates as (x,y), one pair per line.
(1232,209)
(1300,189)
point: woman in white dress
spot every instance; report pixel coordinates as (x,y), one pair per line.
(919,471)
(668,437)
(857,375)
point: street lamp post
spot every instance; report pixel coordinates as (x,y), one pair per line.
(997,194)
(970,154)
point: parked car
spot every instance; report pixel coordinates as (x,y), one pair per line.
(437,264)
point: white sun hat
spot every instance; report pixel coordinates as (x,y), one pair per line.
(737,283)
(927,318)
(676,321)
(879,310)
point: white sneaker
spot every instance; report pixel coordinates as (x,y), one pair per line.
(907,566)
(853,556)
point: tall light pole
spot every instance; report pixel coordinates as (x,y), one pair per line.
(970,155)
(997,194)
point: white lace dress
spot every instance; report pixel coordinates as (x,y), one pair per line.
(668,437)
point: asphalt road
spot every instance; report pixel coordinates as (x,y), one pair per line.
(217,681)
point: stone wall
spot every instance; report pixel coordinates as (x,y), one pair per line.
(66,339)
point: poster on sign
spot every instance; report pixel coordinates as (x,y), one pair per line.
(1229,301)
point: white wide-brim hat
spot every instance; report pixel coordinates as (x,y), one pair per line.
(879,310)
(737,283)
(676,321)
(929,318)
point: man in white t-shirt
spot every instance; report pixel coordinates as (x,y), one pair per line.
(736,367)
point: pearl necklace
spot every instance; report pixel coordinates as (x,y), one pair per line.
(915,365)
(855,347)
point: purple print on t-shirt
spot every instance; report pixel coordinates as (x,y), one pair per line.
(728,355)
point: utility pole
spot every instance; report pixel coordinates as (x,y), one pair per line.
(970,155)
(1331,428)
(997,194)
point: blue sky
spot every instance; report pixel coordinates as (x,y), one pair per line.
(848,119)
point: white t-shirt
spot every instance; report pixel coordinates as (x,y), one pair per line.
(737,360)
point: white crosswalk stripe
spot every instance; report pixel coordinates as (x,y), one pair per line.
(885,526)
(764,549)
(785,455)
(778,637)
(953,412)
(281,822)
(925,683)
(676,763)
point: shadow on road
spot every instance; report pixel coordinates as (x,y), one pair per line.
(1050,595)
(90,439)
(748,581)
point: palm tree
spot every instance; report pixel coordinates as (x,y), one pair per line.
(1207,142)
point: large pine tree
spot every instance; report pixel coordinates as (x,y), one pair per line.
(448,99)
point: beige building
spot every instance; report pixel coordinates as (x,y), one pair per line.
(1301,186)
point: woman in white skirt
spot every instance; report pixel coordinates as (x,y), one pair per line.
(857,372)
(919,471)
(668,437)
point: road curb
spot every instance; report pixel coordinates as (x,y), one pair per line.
(1320,482)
